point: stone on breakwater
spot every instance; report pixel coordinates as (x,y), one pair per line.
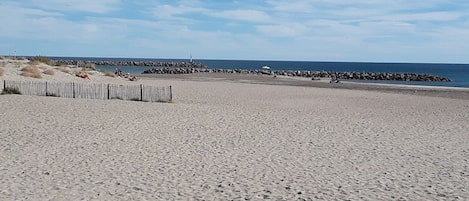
(166,70)
(137,63)
(322,74)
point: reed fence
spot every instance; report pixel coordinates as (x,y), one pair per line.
(140,92)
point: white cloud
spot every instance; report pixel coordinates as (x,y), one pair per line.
(181,13)
(290,30)
(423,16)
(29,23)
(92,6)
(245,15)
(170,12)
(291,6)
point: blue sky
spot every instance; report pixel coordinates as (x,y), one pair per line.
(307,30)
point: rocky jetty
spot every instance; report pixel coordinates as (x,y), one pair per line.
(136,63)
(308,74)
(168,67)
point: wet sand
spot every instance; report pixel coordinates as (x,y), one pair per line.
(447,92)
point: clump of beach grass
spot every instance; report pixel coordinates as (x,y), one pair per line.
(44,60)
(106,73)
(31,71)
(89,66)
(109,74)
(58,63)
(10,90)
(17,64)
(49,72)
(1,72)
(42,67)
(52,94)
(165,101)
(64,70)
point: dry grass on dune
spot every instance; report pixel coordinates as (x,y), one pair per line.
(49,72)
(1,72)
(64,70)
(35,62)
(42,67)
(31,71)
(109,74)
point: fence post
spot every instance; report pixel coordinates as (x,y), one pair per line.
(73,86)
(141,92)
(108,91)
(170,93)
(46,90)
(4,84)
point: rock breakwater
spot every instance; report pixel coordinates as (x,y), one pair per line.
(309,74)
(136,63)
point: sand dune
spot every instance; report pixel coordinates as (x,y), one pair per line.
(223,140)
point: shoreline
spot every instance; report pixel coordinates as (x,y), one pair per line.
(432,91)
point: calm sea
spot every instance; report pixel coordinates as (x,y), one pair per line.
(458,73)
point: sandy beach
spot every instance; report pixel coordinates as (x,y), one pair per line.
(237,138)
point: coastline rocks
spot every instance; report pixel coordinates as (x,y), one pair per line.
(137,63)
(169,67)
(175,70)
(308,74)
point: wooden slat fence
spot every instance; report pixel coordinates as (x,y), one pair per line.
(141,92)
(60,89)
(155,94)
(125,92)
(90,91)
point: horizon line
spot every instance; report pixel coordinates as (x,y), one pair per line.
(226,59)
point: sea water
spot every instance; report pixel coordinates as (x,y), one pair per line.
(458,73)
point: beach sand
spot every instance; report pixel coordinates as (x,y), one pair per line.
(230,139)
